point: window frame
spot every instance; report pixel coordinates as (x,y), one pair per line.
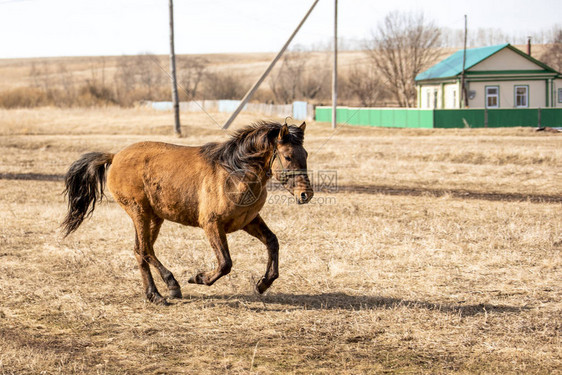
(560,95)
(497,87)
(515,87)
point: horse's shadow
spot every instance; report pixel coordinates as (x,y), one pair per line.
(342,301)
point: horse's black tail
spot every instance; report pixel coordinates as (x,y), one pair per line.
(84,183)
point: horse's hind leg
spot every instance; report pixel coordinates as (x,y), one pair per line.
(259,229)
(146,229)
(167,276)
(141,253)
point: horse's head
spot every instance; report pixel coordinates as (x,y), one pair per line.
(288,162)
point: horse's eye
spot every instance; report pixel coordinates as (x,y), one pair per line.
(288,158)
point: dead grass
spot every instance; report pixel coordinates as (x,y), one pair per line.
(369,283)
(15,73)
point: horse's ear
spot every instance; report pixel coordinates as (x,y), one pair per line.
(283,131)
(302,126)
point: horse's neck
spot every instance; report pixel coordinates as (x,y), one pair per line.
(263,173)
(266,167)
(261,169)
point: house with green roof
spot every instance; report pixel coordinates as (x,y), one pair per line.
(499,76)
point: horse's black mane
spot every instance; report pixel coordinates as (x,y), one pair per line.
(248,146)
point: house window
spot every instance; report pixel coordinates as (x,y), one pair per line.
(435,96)
(492,97)
(559,95)
(521,96)
(428,99)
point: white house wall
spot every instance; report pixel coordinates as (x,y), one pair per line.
(505,59)
(537,92)
(557,93)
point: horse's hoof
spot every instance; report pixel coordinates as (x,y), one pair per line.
(175,293)
(157,299)
(261,286)
(197,279)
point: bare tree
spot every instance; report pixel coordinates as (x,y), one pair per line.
(284,83)
(191,71)
(552,56)
(140,78)
(314,84)
(299,78)
(41,76)
(315,81)
(148,75)
(68,94)
(35,75)
(124,80)
(403,46)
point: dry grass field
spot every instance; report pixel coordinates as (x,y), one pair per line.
(440,254)
(16,72)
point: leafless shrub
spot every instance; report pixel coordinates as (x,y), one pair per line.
(66,79)
(24,97)
(315,84)
(298,79)
(95,94)
(41,76)
(124,79)
(224,85)
(363,84)
(147,75)
(140,78)
(285,80)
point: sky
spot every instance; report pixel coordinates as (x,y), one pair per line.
(37,28)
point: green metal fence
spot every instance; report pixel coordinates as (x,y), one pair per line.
(443,118)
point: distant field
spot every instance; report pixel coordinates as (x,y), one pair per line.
(448,261)
(16,72)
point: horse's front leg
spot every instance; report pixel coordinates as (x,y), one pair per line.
(259,229)
(217,237)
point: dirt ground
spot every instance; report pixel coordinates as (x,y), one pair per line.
(423,252)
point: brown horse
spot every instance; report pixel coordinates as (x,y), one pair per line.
(219,187)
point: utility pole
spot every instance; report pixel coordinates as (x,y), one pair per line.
(251,92)
(175,100)
(463,95)
(335,69)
